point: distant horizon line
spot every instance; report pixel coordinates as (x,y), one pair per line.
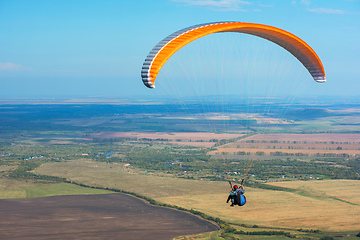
(146,100)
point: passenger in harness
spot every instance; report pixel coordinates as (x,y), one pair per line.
(241,199)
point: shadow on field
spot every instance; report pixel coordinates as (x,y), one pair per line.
(103,216)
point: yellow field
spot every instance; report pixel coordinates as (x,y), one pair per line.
(277,209)
(347,190)
(316,210)
(6,167)
(125,178)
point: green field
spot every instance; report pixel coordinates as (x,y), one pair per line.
(19,189)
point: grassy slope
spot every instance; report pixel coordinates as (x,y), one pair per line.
(341,189)
(264,207)
(59,189)
(10,188)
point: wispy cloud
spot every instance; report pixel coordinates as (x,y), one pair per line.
(305,2)
(8,66)
(331,11)
(220,5)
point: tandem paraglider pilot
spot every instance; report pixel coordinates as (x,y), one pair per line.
(237,196)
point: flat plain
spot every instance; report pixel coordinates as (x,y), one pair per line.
(263,207)
(107,146)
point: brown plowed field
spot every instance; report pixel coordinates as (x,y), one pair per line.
(104,216)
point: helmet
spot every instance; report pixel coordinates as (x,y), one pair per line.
(235,186)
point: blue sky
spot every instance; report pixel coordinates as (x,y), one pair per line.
(96,48)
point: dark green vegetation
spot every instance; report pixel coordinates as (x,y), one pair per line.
(195,164)
(23,172)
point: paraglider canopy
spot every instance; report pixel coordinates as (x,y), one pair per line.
(169,45)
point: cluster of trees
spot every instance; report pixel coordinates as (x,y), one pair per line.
(298,142)
(111,140)
(226,141)
(166,158)
(177,160)
(335,155)
(331,168)
(278,153)
(23,172)
(298,154)
(226,233)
